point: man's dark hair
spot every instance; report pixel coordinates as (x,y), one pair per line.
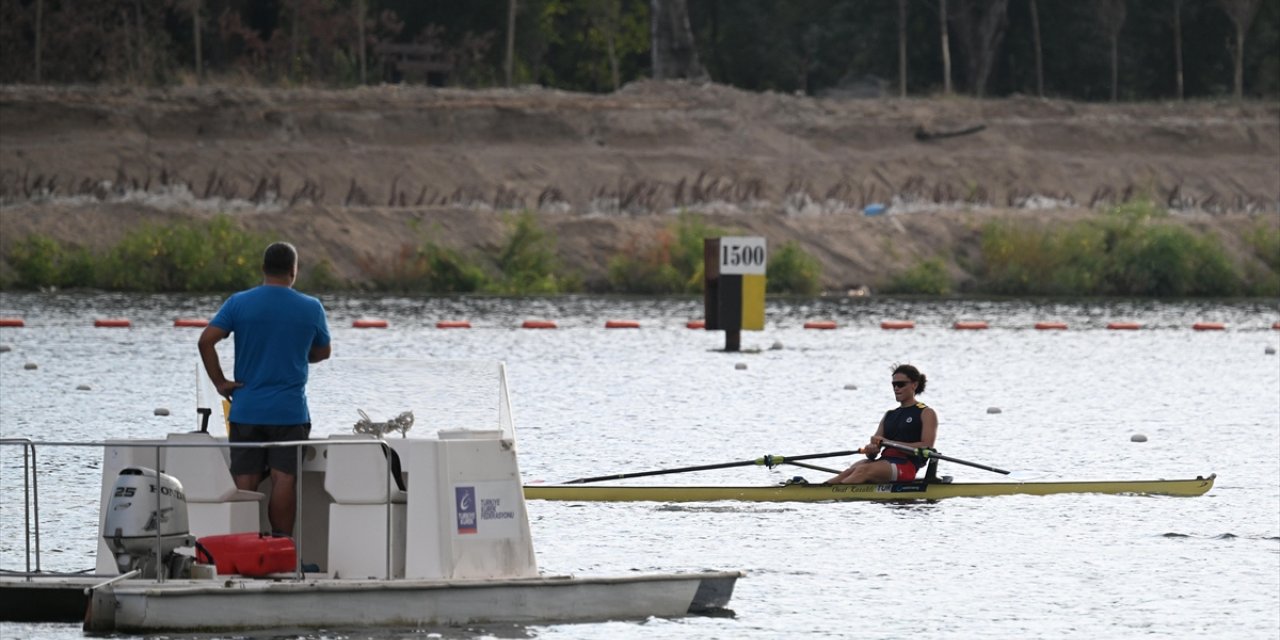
(279,259)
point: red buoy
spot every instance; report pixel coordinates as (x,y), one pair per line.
(112,322)
(17,322)
(369,323)
(538,324)
(897,324)
(453,324)
(1208,326)
(621,324)
(820,324)
(702,324)
(969,325)
(1124,326)
(190,322)
(1051,326)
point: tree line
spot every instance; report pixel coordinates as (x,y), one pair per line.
(1086,49)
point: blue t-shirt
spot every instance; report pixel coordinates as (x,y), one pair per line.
(274,329)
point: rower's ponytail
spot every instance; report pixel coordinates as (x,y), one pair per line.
(913,374)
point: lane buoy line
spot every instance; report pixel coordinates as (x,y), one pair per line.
(112,322)
(369,323)
(621,324)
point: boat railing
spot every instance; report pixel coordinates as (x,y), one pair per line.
(31,498)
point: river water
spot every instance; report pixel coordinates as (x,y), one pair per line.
(589,401)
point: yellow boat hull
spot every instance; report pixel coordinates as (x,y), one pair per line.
(885,492)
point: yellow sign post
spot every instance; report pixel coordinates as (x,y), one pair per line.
(733,296)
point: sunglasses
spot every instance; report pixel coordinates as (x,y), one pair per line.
(898,384)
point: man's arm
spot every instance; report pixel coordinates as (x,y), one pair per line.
(209,338)
(319,353)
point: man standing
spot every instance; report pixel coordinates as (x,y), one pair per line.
(278,332)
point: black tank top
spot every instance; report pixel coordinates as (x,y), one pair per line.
(904,424)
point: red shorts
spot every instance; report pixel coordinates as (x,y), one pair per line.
(903,469)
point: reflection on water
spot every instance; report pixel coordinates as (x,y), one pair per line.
(589,401)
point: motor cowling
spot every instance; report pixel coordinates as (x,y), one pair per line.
(147,508)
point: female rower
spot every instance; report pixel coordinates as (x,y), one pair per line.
(912,424)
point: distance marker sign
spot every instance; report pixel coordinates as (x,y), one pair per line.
(733,297)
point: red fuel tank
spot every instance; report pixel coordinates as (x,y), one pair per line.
(248,554)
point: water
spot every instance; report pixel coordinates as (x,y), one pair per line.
(589,401)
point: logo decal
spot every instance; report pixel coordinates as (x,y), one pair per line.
(908,420)
(465,501)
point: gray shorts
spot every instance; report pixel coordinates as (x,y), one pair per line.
(246,461)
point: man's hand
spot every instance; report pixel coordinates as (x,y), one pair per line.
(227,387)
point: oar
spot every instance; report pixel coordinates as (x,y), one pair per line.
(927,453)
(814,466)
(765,461)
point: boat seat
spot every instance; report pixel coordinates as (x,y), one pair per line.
(214,505)
(368,493)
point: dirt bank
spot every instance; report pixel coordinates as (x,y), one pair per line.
(351,175)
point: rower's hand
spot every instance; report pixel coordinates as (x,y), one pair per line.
(873,449)
(228,387)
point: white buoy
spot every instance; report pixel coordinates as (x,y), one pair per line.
(851,387)
(993,409)
(162,411)
(83,387)
(29,366)
(776,346)
(1137,437)
(740,366)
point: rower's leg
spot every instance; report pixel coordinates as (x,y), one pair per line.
(873,472)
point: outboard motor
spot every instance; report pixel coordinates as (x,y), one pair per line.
(139,508)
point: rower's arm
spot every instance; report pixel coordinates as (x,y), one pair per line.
(873,448)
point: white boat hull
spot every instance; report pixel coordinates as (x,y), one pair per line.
(242,604)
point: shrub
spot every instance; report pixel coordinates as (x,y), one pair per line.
(648,269)
(1130,250)
(928,277)
(791,270)
(426,268)
(212,256)
(670,263)
(527,262)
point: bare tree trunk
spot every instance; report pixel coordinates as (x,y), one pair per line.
(362,9)
(195,38)
(1177,44)
(1115,66)
(671,41)
(508,65)
(139,39)
(1111,13)
(1035,38)
(293,40)
(614,75)
(946,47)
(39,35)
(902,48)
(980,27)
(1241,13)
